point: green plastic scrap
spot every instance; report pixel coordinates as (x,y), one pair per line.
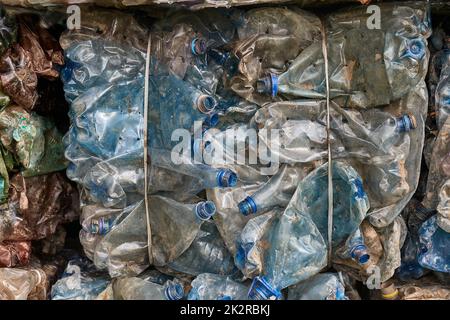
(33,140)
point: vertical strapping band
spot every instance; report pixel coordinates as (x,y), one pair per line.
(145,133)
(330,173)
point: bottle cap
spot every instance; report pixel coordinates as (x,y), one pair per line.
(226,178)
(268,84)
(173,291)
(406,123)
(205,210)
(101,226)
(225,297)
(198,46)
(212,120)
(247,206)
(262,290)
(359,254)
(206,103)
(416,49)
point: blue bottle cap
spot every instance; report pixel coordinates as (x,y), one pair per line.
(262,290)
(101,225)
(360,193)
(247,206)
(415,49)
(225,297)
(173,291)
(226,178)
(406,123)
(359,253)
(205,210)
(198,46)
(268,84)
(206,103)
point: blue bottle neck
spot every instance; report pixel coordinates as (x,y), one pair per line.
(248,206)
(261,289)
(173,291)
(406,123)
(226,178)
(205,210)
(268,85)
(360,254)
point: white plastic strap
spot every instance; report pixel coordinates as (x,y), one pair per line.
(145,140)
(330,166)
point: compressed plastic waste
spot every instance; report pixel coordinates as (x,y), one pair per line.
(32,282)
(206,254)
(80,281)
(135,288)
(323,286)
(39,204)
(35,54)
(415,215)
(104,234)
(257,229)
(208,286)
(194,4)
(364,78)
(433,246)
(33,139)
(304,218)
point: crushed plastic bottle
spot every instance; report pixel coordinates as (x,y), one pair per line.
(323,286)
(434,243)
(415,215)
(206,254)
(135,288)
(104,241)
(208,286)
(364,78)
(80,281)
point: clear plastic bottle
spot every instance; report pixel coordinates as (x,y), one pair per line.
(367,75)
(134,288)
(208,286)
(434,243)
(277,191)
(208,177)
(322,286)
(307,214)
(356,249)
(80,281)
(206,254)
